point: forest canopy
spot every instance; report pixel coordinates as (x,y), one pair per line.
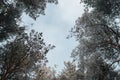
(97,31)
(23,55)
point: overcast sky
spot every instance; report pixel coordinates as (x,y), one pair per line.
(55,25)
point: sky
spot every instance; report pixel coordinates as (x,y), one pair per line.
(55,25)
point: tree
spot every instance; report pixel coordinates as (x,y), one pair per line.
(11,11)
(108,7)
(98,46)
(48,73)
(20,58)
(69,72)
(25,53)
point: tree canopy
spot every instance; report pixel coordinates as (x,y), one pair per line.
(25,53)
(11,11)
(97,56)
(98,52)
(107,7)
(23,56)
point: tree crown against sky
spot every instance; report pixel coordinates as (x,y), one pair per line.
(107,7)
(98,35)
(23,56)
(26,53)
(96,31)
(11,11)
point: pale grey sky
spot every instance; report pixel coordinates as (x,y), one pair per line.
(55,25)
